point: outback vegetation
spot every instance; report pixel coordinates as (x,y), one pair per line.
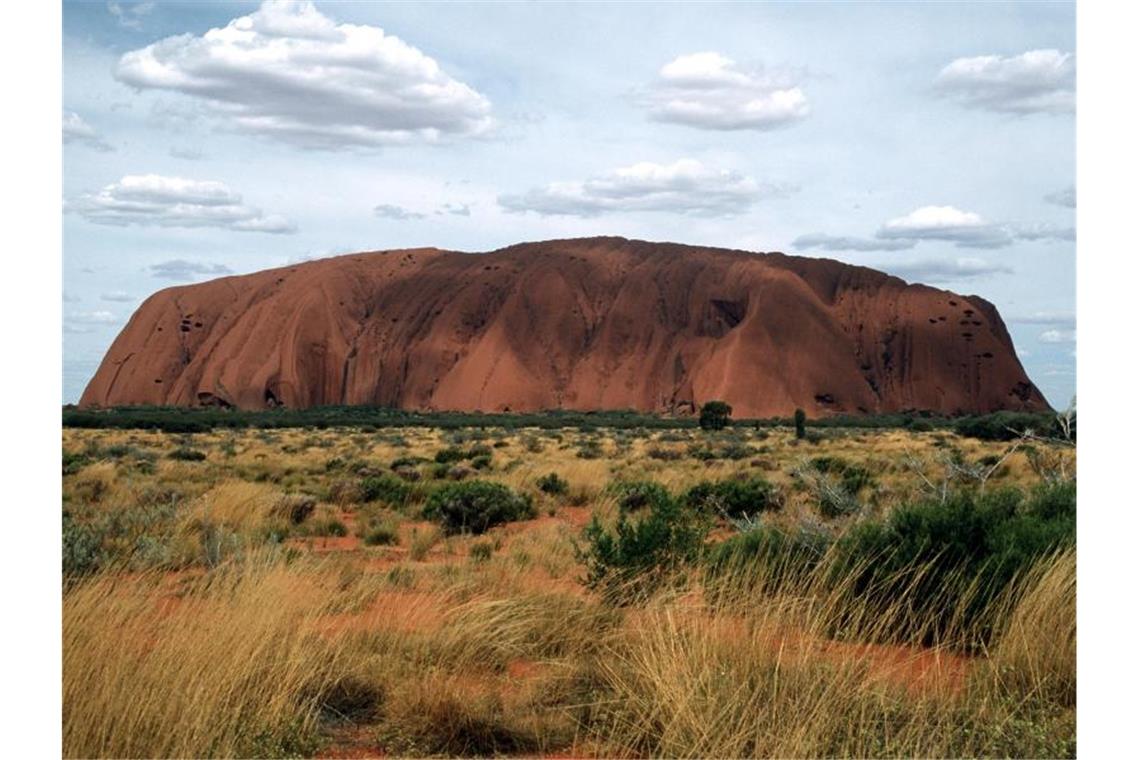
(566,586)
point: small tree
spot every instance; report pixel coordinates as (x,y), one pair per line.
(714,415)
(801,423)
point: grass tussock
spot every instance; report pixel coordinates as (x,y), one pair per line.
(225,665)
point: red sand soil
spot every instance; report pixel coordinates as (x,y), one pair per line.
(593,323)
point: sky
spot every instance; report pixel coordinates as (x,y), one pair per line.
(933,141)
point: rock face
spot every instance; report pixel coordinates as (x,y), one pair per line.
(598,323)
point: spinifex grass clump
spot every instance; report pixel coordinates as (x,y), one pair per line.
(749,676)
(230,667)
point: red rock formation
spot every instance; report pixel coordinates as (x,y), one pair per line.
(598,323)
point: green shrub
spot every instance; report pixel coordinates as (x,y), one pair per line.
(638,494)
(184,454)
(853,477)
(664,454)
(481,462)
(929,553)
(73,462)
(637,555)
(590,449)
(406,462)
(736,451)
(785,557)
(385,488)
(476,505)
(1005,426)
(733,498)
(450,454)
(552,484)
(82,548)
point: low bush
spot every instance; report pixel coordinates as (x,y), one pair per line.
(853,477)
(552,484)
(663,453)
(479,450)
(951,560)
(73,462)
(590,450)
(385,488)
(82,548)
(476,505)
(184,454)
(1005,426)
(639,553)
(782,557)
(733,498)
(399,462)
(638,494)
(450,454)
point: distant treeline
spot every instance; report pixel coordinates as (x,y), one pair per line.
(997,426)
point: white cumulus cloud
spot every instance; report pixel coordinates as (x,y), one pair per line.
(183,271)
(399,213)
(130,15)
(1061,318)
(965,229)
(84,322)
(1043,232)
(1038,81)
(287,71)
(940,271)
(686,186)
(1066,197)
(155,200)
(77,131)
(1058,336)
(822,242)
(710,91)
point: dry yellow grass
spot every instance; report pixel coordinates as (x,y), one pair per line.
(225,666)
(417,648)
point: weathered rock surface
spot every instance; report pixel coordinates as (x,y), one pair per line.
(597,323)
